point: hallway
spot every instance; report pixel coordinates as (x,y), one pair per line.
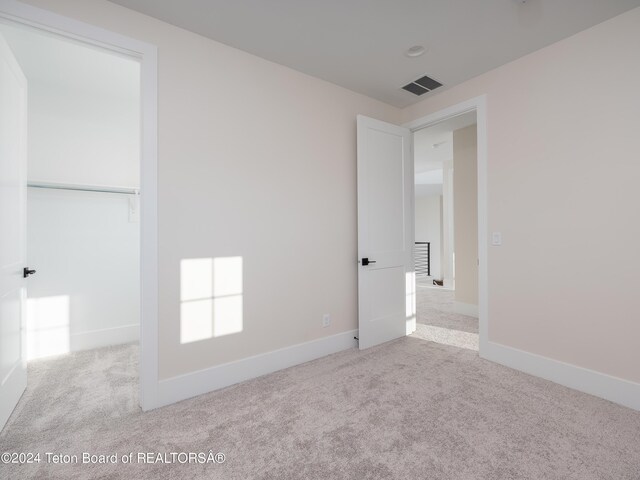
(437,322)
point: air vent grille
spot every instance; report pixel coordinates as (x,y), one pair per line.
(422,85)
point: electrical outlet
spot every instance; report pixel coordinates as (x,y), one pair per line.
(326,320)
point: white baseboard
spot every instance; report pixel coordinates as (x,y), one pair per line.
(465,309)
(617,390)
(192,384)
(186,386)
(104,338)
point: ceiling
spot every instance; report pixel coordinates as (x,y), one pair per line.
(360,44)
(50,59)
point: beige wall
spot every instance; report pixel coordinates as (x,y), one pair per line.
(465,214)
(255,160)
(563,170)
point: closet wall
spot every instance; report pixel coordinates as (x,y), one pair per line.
(83,130)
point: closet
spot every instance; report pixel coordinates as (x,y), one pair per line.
(83,226)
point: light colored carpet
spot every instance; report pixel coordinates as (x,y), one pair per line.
(410,409)
(437,322)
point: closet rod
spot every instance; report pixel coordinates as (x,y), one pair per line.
(84,188)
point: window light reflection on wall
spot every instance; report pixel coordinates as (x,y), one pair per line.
(48,326)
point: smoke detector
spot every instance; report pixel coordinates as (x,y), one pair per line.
(415,51)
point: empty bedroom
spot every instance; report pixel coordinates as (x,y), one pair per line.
(324,240)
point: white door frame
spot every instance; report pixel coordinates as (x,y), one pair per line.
(479,105)
(146,54)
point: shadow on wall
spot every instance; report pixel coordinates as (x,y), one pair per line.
(210,298)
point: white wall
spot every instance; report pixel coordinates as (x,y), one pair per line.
(429,228)
(84,110)
(256,161)
(562,126)
(85,293)
(465,218)
(82,136)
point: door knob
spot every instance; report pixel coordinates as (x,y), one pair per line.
(366,261)
(26,272)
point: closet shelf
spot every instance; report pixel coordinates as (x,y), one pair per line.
(84,188)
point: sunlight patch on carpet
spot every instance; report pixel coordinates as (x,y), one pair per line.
(446,336)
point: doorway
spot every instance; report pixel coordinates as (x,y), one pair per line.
(141,207)
(386,224)
(477,105)
(82,210)
(82,197)
(446,231)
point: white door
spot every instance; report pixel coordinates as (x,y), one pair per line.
(13,167)
(386,279)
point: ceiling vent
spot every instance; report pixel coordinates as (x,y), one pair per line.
(422,85)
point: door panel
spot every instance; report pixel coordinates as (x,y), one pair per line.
(385,192)
(13,165)
(10,333)
(385,232)
(10,169)
(387,292)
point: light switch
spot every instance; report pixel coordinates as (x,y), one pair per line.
(496,239)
